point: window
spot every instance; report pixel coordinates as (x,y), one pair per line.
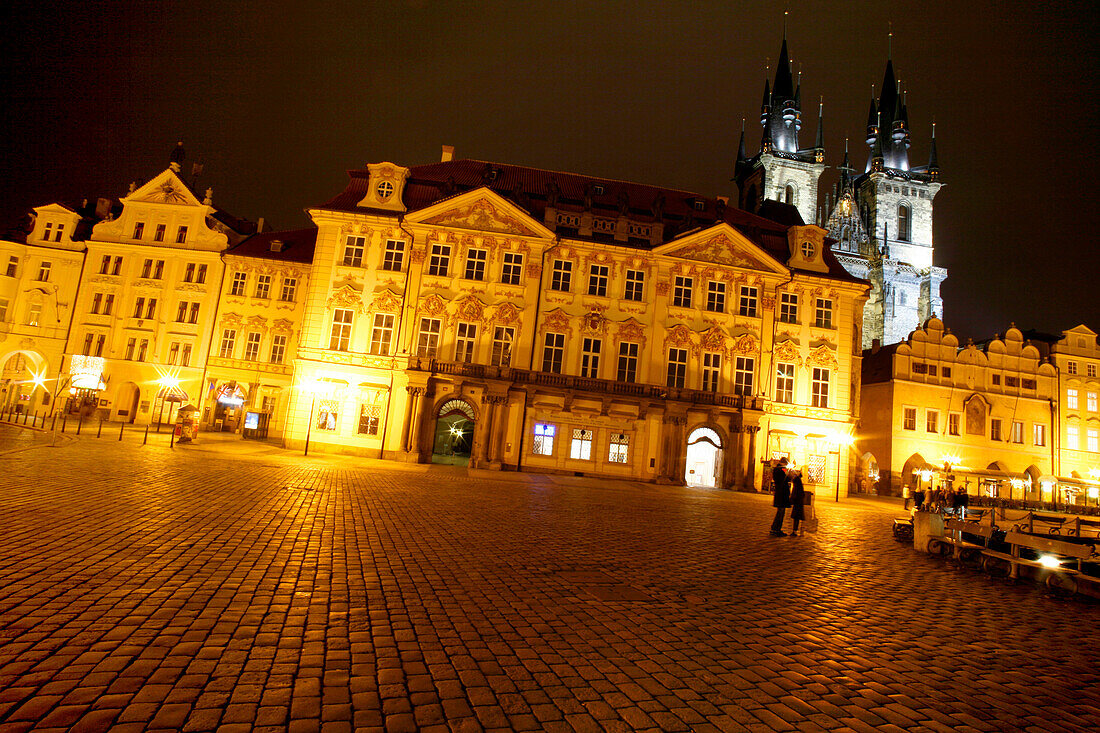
(932,370)
(909,418)
(340,337)
(919,367)
(946,371)
(240,279)
(369,418)
(263,286)
(502,346)
(784,383)
(130,344)
(512,271)
(788,307)
(384,189)
(189,272)
(146,268)
(229,338)
(428,340)
(716,297)
(563,274)
(278,348)
(544,439)
(143,349)
(747,303)
(681,293)
(201,277)
(97,301)
(88,344)
(44,272)
(465,340)
(628,362)
(677,367)
(931,421)
(995,429)
(48,231)
(173,352)
(823,314)
(1071,398)
(788,194)
(151,308)
(394,259)
(1011,381)
(581,447)
(158,270)
(158,236)
(618,448)
(1072,439)
(1091,401)
(744,367)
(1017,431)
(712,371)
(996,379)
(953,421)
(185,359)
(903,222)
(4,304)
(597,280)
(193,317)
(1039,434)
(552,352)
(381,334)
(108,304)
(13,264)
(353,252)
(1091,370)
(820,387)
(181,235)
(635,284)
(139,229)
(1071,367)
(116,266)
(326,418)
(252,347)
(290,289)
(440,261)
(104,265)
(1093,438)
(590,358)
(475,264)
(139,306)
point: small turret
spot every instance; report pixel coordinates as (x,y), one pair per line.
(933,159)
(819,140)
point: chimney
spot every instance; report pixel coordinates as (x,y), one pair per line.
(448,154)
(260,225)
(876,344)
(102,208)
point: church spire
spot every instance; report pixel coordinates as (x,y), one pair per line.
(742,157)
(933,159)
(819,141)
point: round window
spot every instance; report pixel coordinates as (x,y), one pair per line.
(808,250)
(385,190)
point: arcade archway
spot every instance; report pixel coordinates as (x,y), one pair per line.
(454,433)
(704,458)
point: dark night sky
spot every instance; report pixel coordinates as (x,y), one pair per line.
(279,103)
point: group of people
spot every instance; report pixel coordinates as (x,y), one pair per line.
(788,492)
(945,500)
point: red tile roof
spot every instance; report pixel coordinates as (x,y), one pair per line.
(297,246)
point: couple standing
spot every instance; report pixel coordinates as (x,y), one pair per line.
(788,493)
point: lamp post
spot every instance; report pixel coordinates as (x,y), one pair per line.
(842,440)
(309,425)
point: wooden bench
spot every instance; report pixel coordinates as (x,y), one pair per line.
(1051,523)
(1081,525)
(1055,576)
(962,549)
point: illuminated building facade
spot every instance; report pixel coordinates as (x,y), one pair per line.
(518,319)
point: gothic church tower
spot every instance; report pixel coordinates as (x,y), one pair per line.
(781,171)
(882,222)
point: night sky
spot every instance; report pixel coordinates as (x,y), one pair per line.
(278,104)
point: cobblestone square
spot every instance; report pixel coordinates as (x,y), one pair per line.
(143,588)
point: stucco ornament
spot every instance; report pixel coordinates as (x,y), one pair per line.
(822,356)
(558,321)
(788,351)
(386,301)
(346,297)
(483,215)
(506,314)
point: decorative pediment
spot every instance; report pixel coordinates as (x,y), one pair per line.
(471,309)
(386,301)
(722,245)
(166,188)
(679,336)
(594,321)
(257,323)
(433,305)
(714,340)
(557,320)
(482,210)
(232,319)
(745,344)
(788,351)
(632,330)
(283,325)
(346,297)
(822,356)
(506,314)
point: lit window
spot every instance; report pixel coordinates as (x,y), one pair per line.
(502,345)
(544,439)
(394,259)
(552,352)
(628,362)
(475,264)
(823,313)
(716,297)
(465,340)
(581,447)
(953,422)
(562,276)
(746,305)
(1093,438)
(1017,431)
(263,286)
(909,418)
(931,421)
(290,290)
(788,307)
(1071,398)
(635,284)
(820,387)
(597,280)
(1039,434)
(712,371)
(590,358)
(1091,401)
(677,367)
(353,252)
(278,348)
(681,292)
(744,367)
(381,334)
(428,340)
(618,448)
(511,272)
(340,337)
(1072,437)
(784,383)
(440,261)
(238,284)
(229,338)
(252,347)
(326,418)
(369,418)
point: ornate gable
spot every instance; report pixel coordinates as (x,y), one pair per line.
(722,245)
(481,210)
(166,188)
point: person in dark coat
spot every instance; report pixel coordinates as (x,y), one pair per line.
(782,487)
(798,499)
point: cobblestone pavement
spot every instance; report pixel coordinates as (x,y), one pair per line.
(148,589)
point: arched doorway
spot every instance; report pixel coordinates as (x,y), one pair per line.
(911,473)
(704,458)
(127,403)
(229,406)
(868,474)
(454,433)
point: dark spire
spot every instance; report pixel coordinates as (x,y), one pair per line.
(742,157)
(872,120)
(877,162)
(933,160)
(846,170)
(819,143)
(766,140)
(784,84)
(766,104)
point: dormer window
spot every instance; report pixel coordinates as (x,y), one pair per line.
(384,190)
(597,190)
(181,235)
(51,234)
(159,235)
(47,231)
(139,229)
(700,205)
